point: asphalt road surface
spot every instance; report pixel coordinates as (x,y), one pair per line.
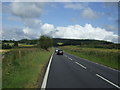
(69,71)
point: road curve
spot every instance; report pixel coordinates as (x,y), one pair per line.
(69,71)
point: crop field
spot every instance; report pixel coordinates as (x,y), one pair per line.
(19,44)
(108,57)
(23,67)
(3,50)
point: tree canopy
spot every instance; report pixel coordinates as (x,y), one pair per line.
(45,42)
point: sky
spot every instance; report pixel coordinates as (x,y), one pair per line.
(73,20)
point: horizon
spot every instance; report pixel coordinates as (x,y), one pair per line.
(64,39)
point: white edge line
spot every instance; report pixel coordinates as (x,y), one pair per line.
(80,65)
(44,83)
(95,63)
(108,81)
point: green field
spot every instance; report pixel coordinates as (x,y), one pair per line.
(108,57)
(23,68)
(19,45)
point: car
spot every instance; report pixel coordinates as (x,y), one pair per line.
(56,50)
(59,52)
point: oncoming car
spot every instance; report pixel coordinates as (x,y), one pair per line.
(59,52)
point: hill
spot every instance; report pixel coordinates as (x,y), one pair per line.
(64,42)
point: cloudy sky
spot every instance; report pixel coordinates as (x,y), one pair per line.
(75,20)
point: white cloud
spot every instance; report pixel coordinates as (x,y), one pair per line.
(33,33)
(28,13)
(86,11)
(74,6)
(14,34)
(26,10)
(47,29)
(32,23)
(89,13)
(73,32)
(85,32)
(110,27)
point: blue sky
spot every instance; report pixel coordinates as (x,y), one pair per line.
(61,20)
(55,15)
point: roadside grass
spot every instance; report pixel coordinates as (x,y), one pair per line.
(22,68)
(108,57)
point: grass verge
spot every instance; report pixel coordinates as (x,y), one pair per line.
(22,67)
(108,57)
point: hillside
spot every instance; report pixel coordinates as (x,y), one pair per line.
(64,42)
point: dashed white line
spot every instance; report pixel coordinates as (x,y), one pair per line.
(69,58)
(81,65)
(95,63)
(65,55)
(108,81)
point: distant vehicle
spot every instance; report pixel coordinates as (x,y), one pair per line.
(60,52)
(56,50)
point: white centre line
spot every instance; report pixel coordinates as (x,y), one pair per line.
(80,65)
(108,81)
(70,58)
(65,55)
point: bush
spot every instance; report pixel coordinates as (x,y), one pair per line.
(6,46)
(45,42)
(15,43)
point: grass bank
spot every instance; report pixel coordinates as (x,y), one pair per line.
(23,67)
(108,57)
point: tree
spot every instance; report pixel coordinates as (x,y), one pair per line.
(45,42)
(15,43)
(6,46)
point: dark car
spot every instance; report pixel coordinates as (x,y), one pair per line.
(60,52)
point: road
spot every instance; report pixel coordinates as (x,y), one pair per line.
(69,71)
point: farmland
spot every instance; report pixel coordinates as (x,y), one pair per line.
(108,57)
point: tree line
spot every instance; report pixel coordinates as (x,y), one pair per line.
(43,42)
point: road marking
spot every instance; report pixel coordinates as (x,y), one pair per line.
(44,83)
(70,58)
(65,55)
(80,65)
(108,81)
(95,63)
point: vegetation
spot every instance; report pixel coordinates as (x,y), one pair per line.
(25,60)
(22,68)
(64,42)
(16,43)
(108,57)
(6,46)
(45,42)
(86,43)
